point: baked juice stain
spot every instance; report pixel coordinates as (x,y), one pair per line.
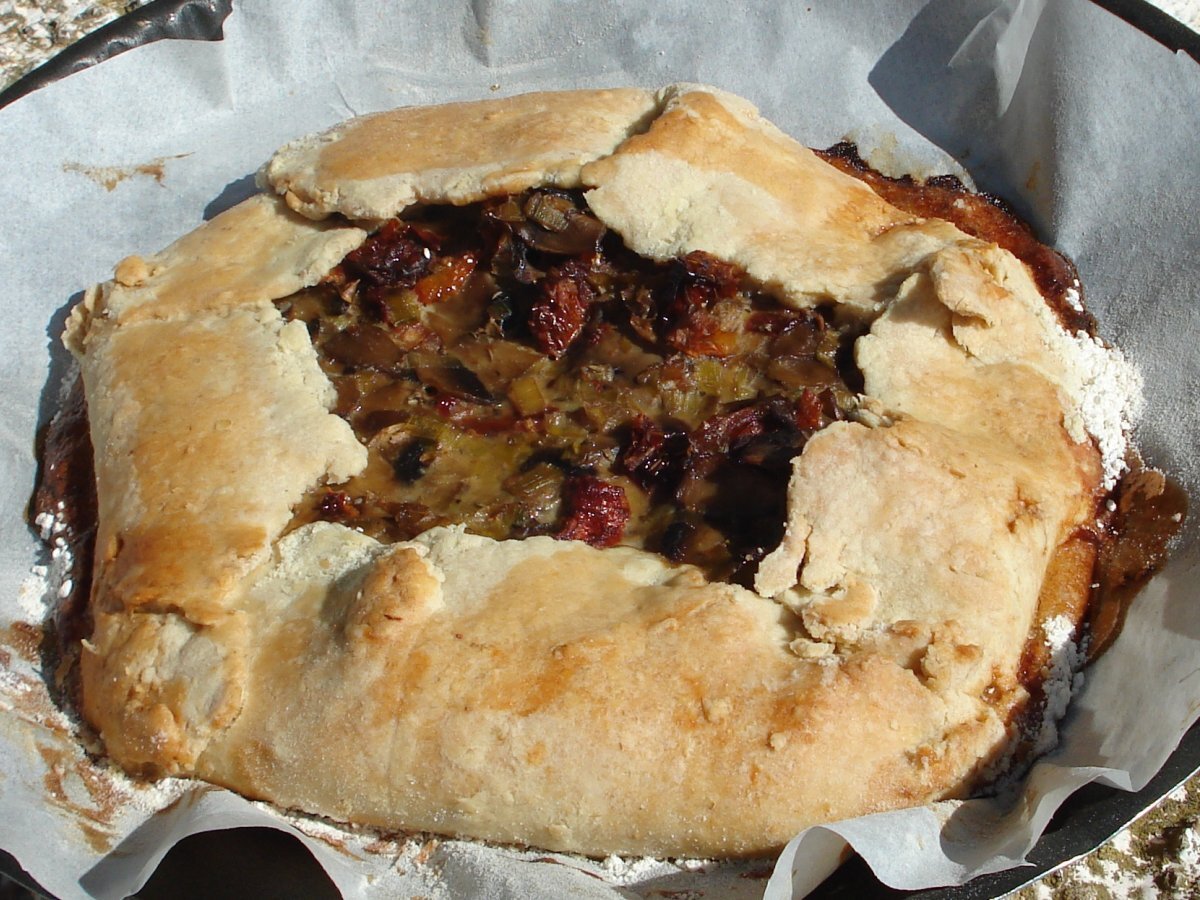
(94,817)
(23,657)
(1035,171)
(25,639)
(1149,511)
(108,177)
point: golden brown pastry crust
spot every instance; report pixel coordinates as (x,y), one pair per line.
(375,167)
(545,692)
(197,390)
(711,174)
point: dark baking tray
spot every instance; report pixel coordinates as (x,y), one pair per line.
(265,863)
(196,20)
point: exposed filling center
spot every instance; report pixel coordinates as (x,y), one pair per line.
(513,367)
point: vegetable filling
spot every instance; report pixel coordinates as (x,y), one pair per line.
(511,366)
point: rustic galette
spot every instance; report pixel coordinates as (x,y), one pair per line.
(602,471)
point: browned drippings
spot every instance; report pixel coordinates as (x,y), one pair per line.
(1118,554)
(66,490)
(978,214)
(95,816)
(1122,551)
(25,639)
(1150,509)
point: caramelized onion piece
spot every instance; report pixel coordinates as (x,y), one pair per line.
(539,489)
(365,347)
(447,277)
(447,375)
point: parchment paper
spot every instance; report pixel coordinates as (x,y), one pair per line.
(1084,123)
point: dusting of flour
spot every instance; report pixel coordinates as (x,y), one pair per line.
(1107,392)
(1063,680)
(443,867)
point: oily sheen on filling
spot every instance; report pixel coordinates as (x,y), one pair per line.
(512,367)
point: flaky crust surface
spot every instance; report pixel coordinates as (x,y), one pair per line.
(545,692)
(376,166)
(197,391)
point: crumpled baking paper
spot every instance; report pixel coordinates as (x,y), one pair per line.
(1086,125)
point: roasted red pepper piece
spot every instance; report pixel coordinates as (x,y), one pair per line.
(447,276)
(808,411)
(560,310)
(394,256)
(597,511)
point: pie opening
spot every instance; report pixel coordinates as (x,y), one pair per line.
(512,367)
